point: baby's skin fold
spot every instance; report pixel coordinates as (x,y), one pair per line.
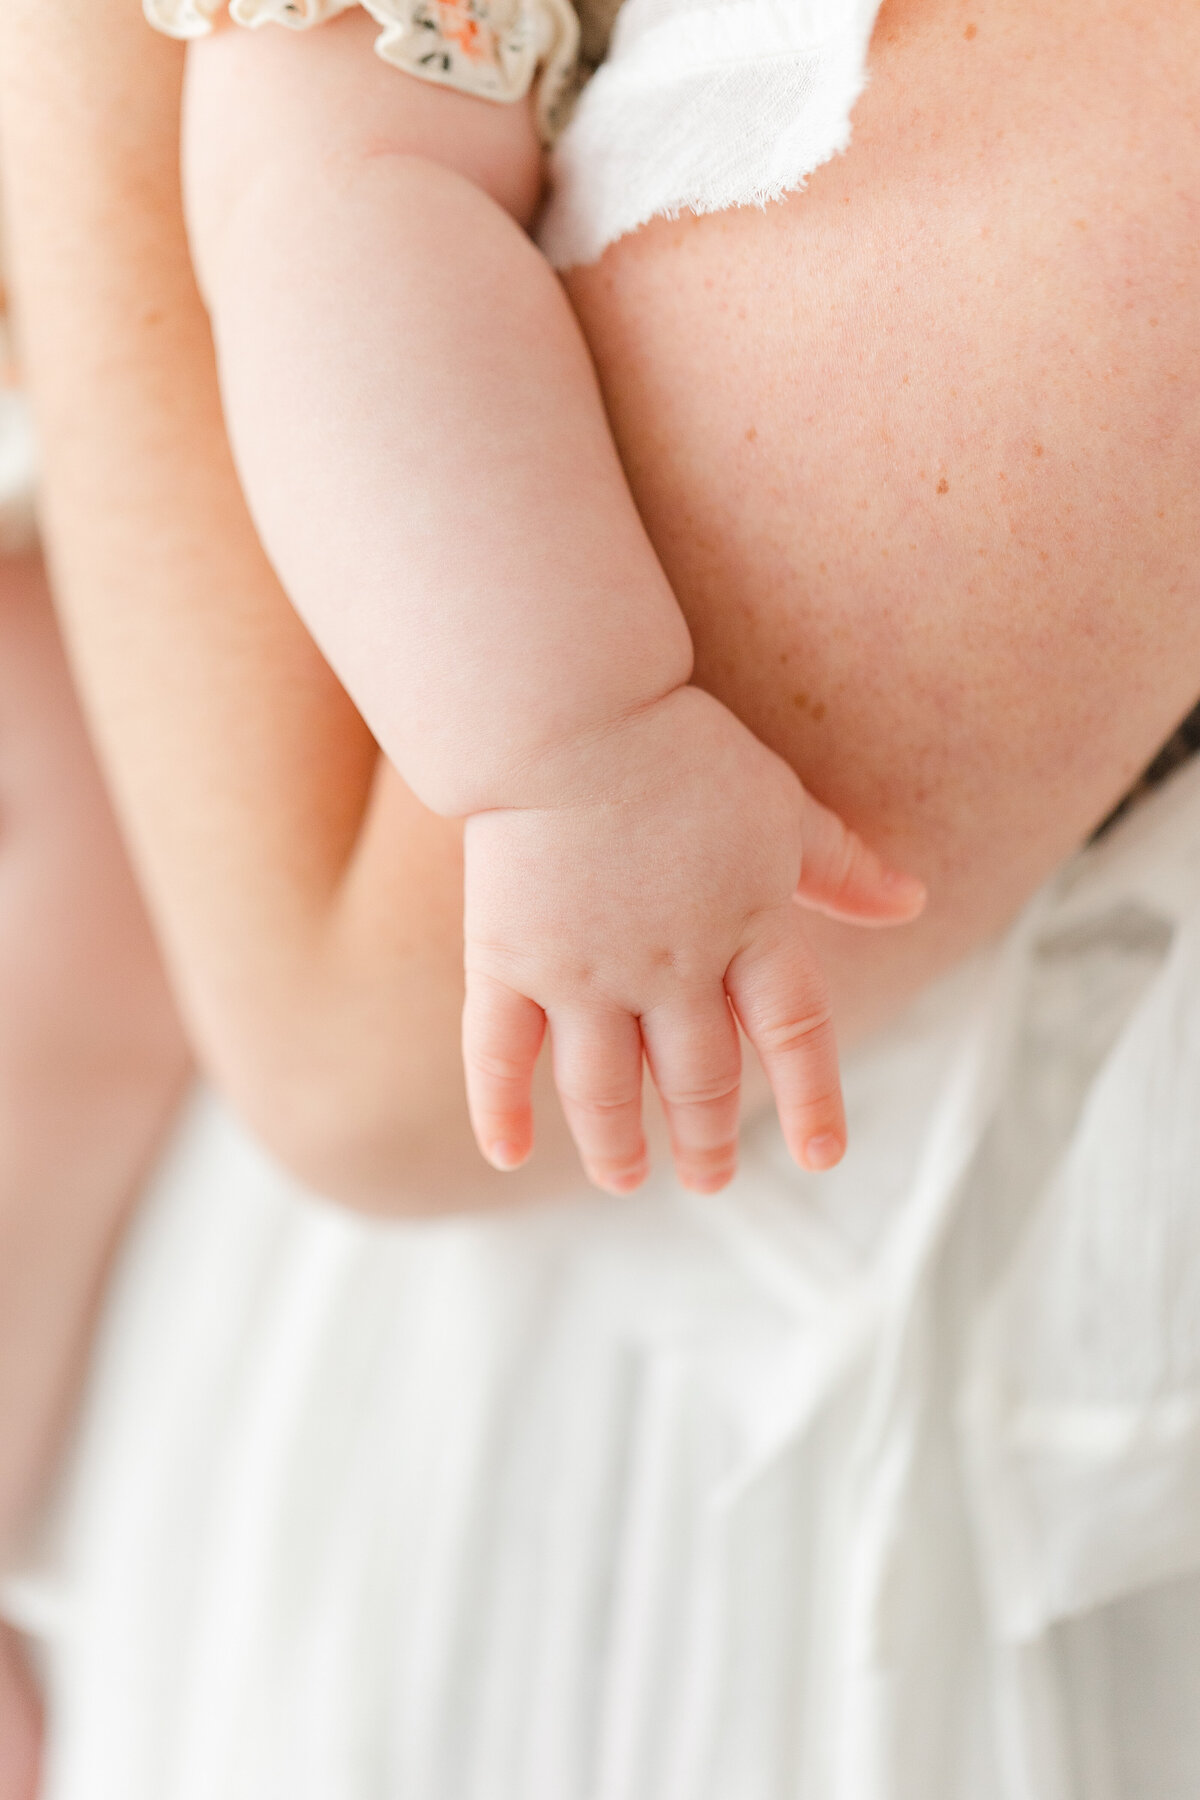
(423,448)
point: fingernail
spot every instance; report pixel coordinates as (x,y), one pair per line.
(909,885)
(506,1157)
(823,1151)
(626,1183)
(711,1182)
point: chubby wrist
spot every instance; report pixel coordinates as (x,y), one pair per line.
(540,746)
(625,756)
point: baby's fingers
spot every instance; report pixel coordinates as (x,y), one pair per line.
(502,1034)
(696,1061)
(598,1070)
(780,997)
(842,875)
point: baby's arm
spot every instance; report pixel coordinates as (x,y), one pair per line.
(424,449)
(310,909)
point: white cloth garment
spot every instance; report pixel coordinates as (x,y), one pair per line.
(702,105)
(883,1485)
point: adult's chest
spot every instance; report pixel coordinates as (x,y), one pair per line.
(921,439)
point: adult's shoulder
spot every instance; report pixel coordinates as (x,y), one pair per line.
(917,445)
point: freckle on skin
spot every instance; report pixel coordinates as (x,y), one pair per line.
(1081,224)
(971,32)
(818,712)
(751,434)
(1039,449)
(800,701)
(943,486)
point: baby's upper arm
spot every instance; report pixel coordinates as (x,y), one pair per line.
(269,107)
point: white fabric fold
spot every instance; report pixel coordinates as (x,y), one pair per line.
(1083,1403)
(702,105)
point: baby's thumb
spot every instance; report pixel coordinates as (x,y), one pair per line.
(842,876)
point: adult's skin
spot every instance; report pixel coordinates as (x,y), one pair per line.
(92,1064)
(916,447)
(919,448)
(92,1058)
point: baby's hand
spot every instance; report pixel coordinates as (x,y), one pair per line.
(642,909)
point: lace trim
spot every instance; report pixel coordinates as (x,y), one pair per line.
(494,49)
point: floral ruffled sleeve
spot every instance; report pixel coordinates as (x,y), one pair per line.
(495,49)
